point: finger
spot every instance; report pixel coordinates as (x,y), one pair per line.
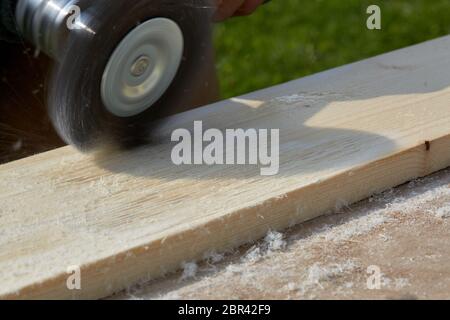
(248,7)
(227,8)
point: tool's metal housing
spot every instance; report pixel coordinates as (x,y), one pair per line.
(43,21)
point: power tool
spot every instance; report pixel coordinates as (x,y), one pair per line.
(118,63)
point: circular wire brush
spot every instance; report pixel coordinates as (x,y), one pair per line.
(119,63)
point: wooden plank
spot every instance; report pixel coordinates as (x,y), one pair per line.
(344,135)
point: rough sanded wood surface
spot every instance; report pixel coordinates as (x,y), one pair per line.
(344,135)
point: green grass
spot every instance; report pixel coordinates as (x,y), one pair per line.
(288,39)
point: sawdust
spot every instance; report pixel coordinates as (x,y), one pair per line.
(443,212)
(309,99)
(213,257)
(318,274)
(272,242)
(189,270)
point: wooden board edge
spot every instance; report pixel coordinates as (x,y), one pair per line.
(160,257)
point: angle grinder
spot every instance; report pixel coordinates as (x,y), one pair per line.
(118,63)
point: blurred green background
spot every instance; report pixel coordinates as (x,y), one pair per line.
(288,39)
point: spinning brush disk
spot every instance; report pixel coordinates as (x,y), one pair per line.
(119,63)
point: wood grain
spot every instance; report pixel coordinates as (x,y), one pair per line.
(344,135)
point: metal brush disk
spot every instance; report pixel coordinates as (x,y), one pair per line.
(120,63)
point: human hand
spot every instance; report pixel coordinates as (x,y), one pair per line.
(231,8)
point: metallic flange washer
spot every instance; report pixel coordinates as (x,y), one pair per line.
(142,67)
